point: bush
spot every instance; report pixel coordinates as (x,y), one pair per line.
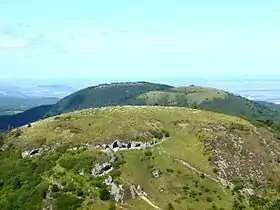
(278,188)
(79,193)
(70,187)
(275,205)
(148,153)
(169,170)
(256,201)
(112,206)
(166,133)
(17,132)
(157,134)
(237,205)
(104,194)
(115,174)
(63,201)
(1,139)
(55,188)
(208,199)
(216,171)
(118,163)
(170,207)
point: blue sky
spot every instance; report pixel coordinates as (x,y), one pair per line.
(139,39)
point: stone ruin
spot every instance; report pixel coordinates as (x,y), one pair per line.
(118,145)
(101,168)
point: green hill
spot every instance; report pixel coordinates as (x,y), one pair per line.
(144,93)
(105,95)
(23,118)
(140,157)
(11,105)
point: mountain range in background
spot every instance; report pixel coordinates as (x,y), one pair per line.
(146,93)
(261,89)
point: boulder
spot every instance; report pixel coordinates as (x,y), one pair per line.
(155,173)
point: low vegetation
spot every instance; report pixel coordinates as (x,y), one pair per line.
(205,160)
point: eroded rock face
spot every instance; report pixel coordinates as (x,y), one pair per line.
(32,152)
(118,145)
(241,152)
(38,151)
(100,168)
(116,191)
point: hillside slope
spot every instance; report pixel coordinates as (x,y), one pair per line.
(105,95)
(165,158)
(10,104)
(23,118)
(143,93)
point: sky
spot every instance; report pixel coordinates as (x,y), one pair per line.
(144,39)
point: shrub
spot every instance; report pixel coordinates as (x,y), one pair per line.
(169,170)
(208,199)
(63,201)
(115,174)
(216,171)
(170,207)
(55,188)
(237,206)
(148,153)
(112,206)
(275,205)
(64,183)
(186,188)
(157,134)
(1,140)
(118,163)
(79,193)
(278,188)
(17,132)
(104,194)
(166,133)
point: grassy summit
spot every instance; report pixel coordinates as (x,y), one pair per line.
(144,93)
(183,96)
(105,95)
(202,160)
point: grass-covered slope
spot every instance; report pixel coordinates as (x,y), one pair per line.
(199,160)
(105,95)
(10,104)
(23,118)
(144,93)
(182,96)
(212,99)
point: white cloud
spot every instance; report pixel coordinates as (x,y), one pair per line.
(16,43)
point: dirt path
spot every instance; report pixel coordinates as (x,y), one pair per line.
(144,198)
(217,179)
(196,170)
(148,201)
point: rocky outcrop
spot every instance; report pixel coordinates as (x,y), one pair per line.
(116,191)
(156,173)
(105,167)
(234,156)
(118,145)
(38,150)
(47,202)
